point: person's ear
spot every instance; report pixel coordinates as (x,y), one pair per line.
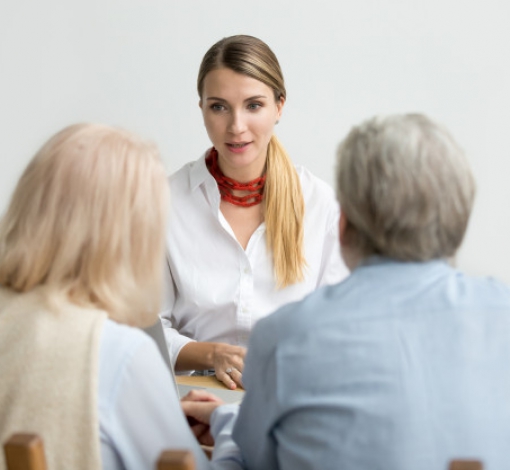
(200,104)
(347,250)
(342,229)
(279,107)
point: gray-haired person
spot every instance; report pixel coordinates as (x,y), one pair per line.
(406,363)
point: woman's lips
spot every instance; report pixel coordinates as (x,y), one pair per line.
(238,147)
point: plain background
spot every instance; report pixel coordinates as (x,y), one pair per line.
(133,63)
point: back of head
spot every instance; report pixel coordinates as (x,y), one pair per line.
(405,188)
(87,221)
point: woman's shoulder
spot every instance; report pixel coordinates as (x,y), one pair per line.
(314,188)
(182,172)
(189,168)
(184,182)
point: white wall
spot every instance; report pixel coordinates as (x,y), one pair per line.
(134,63)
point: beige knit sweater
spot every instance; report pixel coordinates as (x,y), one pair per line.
(48,377)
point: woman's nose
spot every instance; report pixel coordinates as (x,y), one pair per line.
(237,124)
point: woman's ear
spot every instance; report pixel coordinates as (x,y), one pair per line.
(279,108)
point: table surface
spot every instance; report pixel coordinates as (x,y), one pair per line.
(202,381)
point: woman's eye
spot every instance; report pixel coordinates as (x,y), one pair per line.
(217,107)
(254,106)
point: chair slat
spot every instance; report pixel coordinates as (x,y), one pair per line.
(24,452)
(466,465)
(176,460)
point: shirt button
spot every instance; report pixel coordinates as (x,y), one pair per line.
(246,270)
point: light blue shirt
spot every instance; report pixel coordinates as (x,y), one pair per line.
(139,412)
(401,366)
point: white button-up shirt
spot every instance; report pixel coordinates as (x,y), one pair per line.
(216,290)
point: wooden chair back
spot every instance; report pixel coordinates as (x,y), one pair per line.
(465,465)
(26,452)
(176,460)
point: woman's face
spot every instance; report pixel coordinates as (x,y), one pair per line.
(240,113)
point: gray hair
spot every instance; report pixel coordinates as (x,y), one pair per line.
(405,188)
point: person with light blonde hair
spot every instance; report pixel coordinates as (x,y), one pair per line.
(81,250)
(406,363)
(250,231)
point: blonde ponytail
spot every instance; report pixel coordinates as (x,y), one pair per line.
(284,207)
(284,213)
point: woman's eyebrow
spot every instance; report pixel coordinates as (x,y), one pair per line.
(255,97)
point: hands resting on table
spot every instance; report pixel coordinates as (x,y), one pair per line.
(227,361)
(229,364)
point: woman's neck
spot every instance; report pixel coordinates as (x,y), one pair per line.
(245,193)
(244,174)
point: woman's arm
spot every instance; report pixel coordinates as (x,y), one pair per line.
(140,414)
(187,354)
(218,356)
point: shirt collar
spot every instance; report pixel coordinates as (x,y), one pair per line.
(199,173)
(378,259)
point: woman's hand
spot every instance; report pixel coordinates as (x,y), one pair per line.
(198,406)
(228,363)
(225,359)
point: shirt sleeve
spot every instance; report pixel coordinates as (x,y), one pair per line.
(259,408)
(225,449)
(143,417)
(174,340)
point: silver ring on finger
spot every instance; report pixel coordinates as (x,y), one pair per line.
(229,370)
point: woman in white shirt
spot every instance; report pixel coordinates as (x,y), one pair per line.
(249,231)
(79,249)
